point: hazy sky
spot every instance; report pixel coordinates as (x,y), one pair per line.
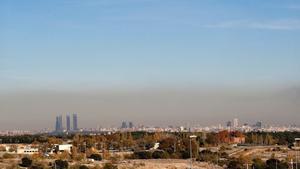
(150,61)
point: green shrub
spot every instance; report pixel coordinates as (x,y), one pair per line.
(184,154)
(26,162)
(83,167)
(160,155)
(61,164)
(235,164)
(96,157)
(143,154)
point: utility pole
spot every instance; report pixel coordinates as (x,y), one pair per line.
(84,151)
(175,142)
(296,159)
(191,152)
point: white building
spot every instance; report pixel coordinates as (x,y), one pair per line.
(297,144)
(63,147)
(235,123)
(27,150)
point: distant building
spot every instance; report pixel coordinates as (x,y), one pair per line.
(124,125)
(130,125)
(229,124)
(297,143)
(63,147)
(181,129)
(27,150)
(258,124)
(59,124)
(75,122)
(235,123)
(68,122)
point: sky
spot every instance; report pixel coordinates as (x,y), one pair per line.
(149,61)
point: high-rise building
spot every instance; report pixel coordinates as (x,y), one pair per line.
(59,124)
(124,125)
(75,124)
(56,124)
(229,124)
(258,124)
(235,122)
(68,122)
(130,125)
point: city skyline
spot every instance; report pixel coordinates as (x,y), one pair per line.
(148,61)
(59,124)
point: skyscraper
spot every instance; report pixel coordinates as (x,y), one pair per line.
(258,124)
(229,124)
(75,124)
(130,125)
(124,125)
(59,124)
(56,124)
(68,122)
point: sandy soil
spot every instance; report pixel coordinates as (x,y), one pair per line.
(164,164)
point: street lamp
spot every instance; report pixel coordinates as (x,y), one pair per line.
(191,152)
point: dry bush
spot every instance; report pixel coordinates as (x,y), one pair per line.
(8,156)
(13,166)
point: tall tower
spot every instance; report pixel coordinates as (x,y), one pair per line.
(59,124)
(124,125)
(75,124)
(130,125)
(68,122)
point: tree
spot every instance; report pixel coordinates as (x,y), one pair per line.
(260,139)
(61,164)
(167,144)
(160,155)
(83,167)
(26,162)
(96,157)
(223,136)
(13,148)
(184,154)
(208,156)
(64,155)
(258,164)
(275,163)
(2,148)
(211,139)
(143,154)
(269,139)
(235,164)
(109,166)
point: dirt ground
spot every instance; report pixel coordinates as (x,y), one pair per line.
(164,164)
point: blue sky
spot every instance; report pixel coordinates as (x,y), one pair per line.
(140,43)
(214,57)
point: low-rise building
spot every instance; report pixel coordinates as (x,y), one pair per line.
(297,144)
(63,147)
(27,150)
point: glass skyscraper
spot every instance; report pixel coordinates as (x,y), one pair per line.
(75,124)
